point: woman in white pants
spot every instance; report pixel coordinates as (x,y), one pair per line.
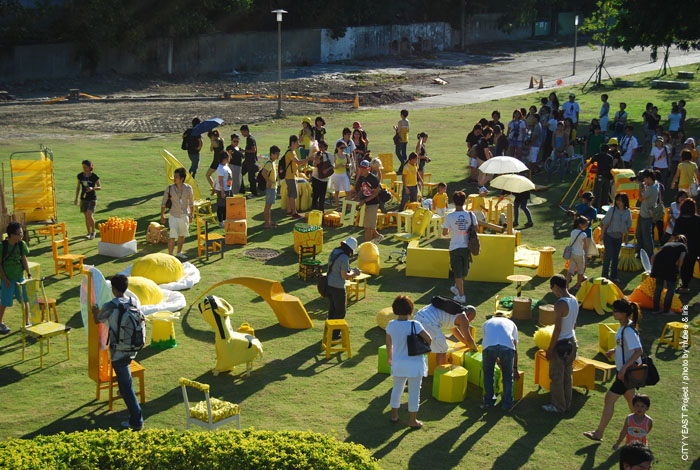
(405,368)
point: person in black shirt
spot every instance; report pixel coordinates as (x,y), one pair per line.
(601,189)
(194,145)
(615,153)
(217,146)
(250,161)
(665,266)
(88,183)
(235,164)
(367,190)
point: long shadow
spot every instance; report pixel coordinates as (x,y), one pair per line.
(590,451)
(72,421)
(131,202)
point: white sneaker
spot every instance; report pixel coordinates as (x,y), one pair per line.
(454,290)
(460,298)
(181,256)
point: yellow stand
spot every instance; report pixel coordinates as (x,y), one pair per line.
(403,221)
(356,288)
(546,266)
(328,341)
(434,231)
(163,335)
(677,329)
(348,217)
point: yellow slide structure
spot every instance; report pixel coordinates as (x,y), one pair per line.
(290,312)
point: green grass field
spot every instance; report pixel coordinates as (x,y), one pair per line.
(294,386)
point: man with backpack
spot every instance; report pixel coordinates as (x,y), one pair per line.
(127,335)
(14,263)
(193,144)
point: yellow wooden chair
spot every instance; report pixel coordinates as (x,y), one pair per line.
(44,330)
(209,243)
(210,413)
(419,223)
(108,379)
(63,260)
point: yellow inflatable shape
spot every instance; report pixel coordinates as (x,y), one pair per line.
(644,296)
(159,268)
(289,310)
(232,348)
(543,336)
(303,195)
(597,294)
(308,235)
(146,290)
(368,258)
(384,316)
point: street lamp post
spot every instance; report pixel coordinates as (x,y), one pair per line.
(575,41)
(279,14)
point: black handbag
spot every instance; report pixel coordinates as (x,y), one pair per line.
(415,343)
(384,196)
(322,280)
(637,376)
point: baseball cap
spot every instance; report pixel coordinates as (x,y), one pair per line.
(364,164)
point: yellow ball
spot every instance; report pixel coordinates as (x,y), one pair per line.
(384,316)
(543,336)
(146,290)
(159,268)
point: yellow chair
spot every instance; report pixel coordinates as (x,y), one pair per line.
(351,211)
(328,343)
(64,261)
(678,329)
(108,379)
(44,330)
(387,162)
(606,338)
(210,413)
(419,223)
(209,243)
(584,374)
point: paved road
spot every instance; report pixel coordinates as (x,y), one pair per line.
(509,74)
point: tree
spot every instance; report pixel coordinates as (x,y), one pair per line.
(600,25)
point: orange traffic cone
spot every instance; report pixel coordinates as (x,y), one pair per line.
(356,102)
(541,83)
(532,85)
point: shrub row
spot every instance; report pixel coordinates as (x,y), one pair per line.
(168,450)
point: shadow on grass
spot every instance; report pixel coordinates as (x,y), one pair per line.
(590,452)
(73,421)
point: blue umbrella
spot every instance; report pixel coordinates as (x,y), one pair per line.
(206,126)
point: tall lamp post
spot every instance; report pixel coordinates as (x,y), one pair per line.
(279,14)
(575,41)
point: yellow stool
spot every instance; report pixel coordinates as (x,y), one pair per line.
(348,217)
(403,221)
(546,266)
(397,186)
(163,335)
(450,383)
(316,218)
(434,231)
(412,206)
(430,187)
(677,329)
(51,308)
(391,219)
(328,341)
(628,261)
(356,287)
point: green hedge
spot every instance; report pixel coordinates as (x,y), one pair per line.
(168,450)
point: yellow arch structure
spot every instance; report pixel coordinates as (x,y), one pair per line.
(289,310)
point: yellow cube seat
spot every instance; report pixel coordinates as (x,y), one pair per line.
(220,410)
(450,383)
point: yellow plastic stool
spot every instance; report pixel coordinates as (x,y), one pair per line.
(403,221)
(316,218)
(163,336)
(434,231)
(328,342)
(450,383)
(347,217)
(546,265)
(391,219)
(677,328)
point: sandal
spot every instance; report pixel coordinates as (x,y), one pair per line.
(591,435)
(418,426)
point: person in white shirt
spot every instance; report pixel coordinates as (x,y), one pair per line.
(457,224)
(222,185)
(446,313)
(500,344)
(578,243)
(571,109)
(659,157)
(628,145)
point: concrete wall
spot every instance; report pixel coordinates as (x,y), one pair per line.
(484,28)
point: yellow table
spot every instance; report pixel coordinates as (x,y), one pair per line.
(546,266)
(519,279)
(357,286)
(403,221)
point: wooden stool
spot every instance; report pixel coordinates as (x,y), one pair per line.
(356,287)
(677,329)
(522,308)
(52,307)
(328,342)
(546,265)
(546,315)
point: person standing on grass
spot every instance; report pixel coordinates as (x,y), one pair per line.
(410,179)
(627,344)
(457,224)
(401,129)
(88,183)
(603,178)
(319,185)
(405,368)
(319,129)
(579,245)
(223,187)
(217,146)
(340,181)
(571,109)
(629,146)
(14,264)
(637,425)
(269,172)
(367,189)
(500,345)
(563,347)
(250,160)
(339,272)
(665,267)
(111,314)
(648,195)
(181,213)
(236,164)
(291,163)
(604,114)
(516,135)
(193,144)
(688,224)
(616,224)
(687,172)
(620,121)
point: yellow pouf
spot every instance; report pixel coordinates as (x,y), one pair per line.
(545,267)
(146,290)
(628,261)
(308,235)
(450,383)
(303,195)
(159,268)
(644,296)
(596,294)
(543,336)
(368,258)
(384,316)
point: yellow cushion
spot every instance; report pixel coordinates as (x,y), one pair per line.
(543,336)
(159,268)
(219,410)
(146,290)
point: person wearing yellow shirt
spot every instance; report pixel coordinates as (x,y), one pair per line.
(291,163)
(440,200)
(410,178)
(306,136)
(687,174)
(401,139)
(269,172)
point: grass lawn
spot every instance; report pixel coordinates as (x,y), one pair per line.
(295,387)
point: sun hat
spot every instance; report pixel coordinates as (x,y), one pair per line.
(613,141)
(356,125)
(308,120)
(690,141)
(350,242)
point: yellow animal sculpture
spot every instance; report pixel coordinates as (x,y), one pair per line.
(232,348)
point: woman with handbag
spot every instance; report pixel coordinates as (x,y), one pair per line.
(616,224)
(628,354)
(687,175)
(405,367)
(322,171)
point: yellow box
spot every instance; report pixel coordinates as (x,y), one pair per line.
(496,260)
(427,262)
(450,383)
(235,208)
(606,338)
(236,238)
(237,226)
(306,235)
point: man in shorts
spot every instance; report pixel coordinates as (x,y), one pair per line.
(457,223)
(13,254)
(446,313)
(367,190)
(181,211)
(250,160)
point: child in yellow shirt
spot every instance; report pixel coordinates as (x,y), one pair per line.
(410,178)
(440,200)
(480,205)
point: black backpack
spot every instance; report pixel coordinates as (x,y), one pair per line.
(260,180)
(186,139)
(282,168)
(131,334)
(445,304)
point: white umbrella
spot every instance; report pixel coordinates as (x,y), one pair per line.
(513,183)
(501,165)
